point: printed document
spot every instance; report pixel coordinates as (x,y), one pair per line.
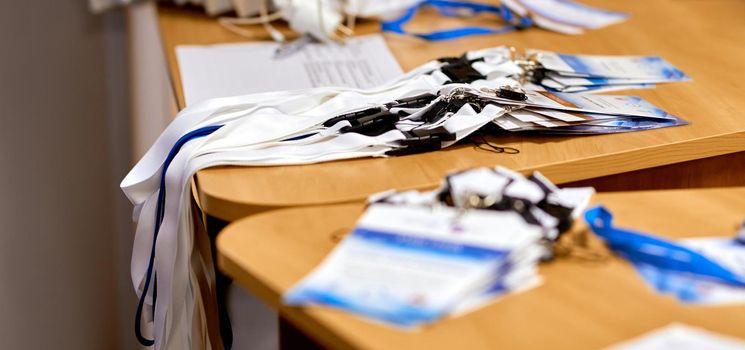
(679,336)
(237,69)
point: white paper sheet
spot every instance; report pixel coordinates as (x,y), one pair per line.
(238,69)
(681,337)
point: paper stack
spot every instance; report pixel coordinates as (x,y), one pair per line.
(416,257)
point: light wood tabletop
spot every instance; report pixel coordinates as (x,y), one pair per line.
(704,38)
(583,304)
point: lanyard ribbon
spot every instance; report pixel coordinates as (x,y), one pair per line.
(451,8)
(248,142)
(655,251)
(201,132)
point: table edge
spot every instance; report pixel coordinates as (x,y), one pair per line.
(216,205)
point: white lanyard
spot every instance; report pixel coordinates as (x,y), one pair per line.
(142,179)
(252,133)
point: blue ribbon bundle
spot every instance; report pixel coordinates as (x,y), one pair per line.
(452,8)
(668,266)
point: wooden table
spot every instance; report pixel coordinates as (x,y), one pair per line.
(702,37)
(581,305)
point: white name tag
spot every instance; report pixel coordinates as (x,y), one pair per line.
(406,266)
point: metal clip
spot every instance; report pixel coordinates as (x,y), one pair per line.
(451,102)
(533,70)
(475,201)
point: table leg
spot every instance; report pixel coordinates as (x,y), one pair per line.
(214,226)
(291,338)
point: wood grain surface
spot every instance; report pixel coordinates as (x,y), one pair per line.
(702,37)
(583,303)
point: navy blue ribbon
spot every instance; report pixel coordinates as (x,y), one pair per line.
(159,212)
(655,251)
(449,8)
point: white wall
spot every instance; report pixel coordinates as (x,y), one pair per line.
(65,235)
(153,100)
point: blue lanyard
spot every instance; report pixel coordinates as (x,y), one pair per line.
(447,8)
(655,251)
(159,212)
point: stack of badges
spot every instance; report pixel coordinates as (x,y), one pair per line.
(417,257)
(557,113)
(588,73)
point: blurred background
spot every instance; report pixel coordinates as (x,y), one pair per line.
(82,97)
(66,143)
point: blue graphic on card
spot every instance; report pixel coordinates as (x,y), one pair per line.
(616,105)
(379,306)
(654,68)
(387,240)
(369,290)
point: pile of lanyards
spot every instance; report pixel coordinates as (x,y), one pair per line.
(334,20)
(433,106)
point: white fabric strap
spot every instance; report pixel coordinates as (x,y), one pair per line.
(254,131)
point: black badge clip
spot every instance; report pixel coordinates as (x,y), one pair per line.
(509,93)
(422,144)
(373,125)
(460,71)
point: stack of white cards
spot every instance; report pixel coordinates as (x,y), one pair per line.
(564,16)
(577,114)
(413,259)
(589,73)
